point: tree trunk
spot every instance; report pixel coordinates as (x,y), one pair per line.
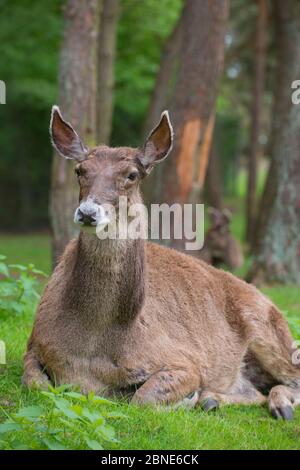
(278,255)
(256,115)
(181,177)
(77,76)
(269,191)
(106,60)
(214,188)
(169,58)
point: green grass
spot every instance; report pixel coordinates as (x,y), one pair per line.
(234,427)
(24,249)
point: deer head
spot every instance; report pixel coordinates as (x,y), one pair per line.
(223,248)
(103,173)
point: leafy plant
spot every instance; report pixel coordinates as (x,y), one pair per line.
(66,416)
(18,292)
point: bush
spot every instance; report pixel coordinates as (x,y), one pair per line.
(18,293)
(72,421)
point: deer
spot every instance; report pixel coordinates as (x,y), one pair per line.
(131,316)
(220,247)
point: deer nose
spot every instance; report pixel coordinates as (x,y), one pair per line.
(87,217)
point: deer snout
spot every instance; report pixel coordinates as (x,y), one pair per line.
(89,213)
(86,219)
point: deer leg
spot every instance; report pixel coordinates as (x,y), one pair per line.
(242,392)
(212,400)
(276,351)
(285,397)
(34,376)
(282,400)
(169,387)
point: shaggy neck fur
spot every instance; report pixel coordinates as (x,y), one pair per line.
(107,283)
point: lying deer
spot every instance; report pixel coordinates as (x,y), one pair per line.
(131,315)
(220,247)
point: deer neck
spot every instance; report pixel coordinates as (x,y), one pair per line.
(108,279)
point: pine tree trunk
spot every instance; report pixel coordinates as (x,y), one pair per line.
(160,96)
(214,187)
(269,191)
(105,78)
(256,115)
(77,83)
(169,59)
(181,177)
(278,255)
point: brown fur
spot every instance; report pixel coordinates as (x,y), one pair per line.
(220,247)
(129,315)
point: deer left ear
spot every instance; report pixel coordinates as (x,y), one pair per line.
(65,139)
(159,143)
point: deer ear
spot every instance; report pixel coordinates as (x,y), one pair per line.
(214,213)
(159,143)
(227,214)
(216,216)
(65,139)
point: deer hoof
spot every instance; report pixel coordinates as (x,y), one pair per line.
(281,403)
(283,412)
(189,401)
(209,404)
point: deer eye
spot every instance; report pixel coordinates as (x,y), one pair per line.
(78,171)
(133,176)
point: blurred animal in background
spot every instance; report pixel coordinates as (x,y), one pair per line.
(220,247)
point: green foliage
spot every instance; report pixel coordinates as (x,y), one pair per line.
(30,35)
(30,32)
(64,417)
(227,134)
(18,293)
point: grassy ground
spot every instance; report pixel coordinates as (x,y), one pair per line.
(23,249)
(234,427)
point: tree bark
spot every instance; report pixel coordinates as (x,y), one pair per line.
(214,185)
(77,81)
(256,115)
(169,59)
(105,63)
(269,190)
(278,255)
(182,175)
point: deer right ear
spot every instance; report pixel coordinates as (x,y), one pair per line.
(227,214)
(159,143)
(215,215)
(65,139)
